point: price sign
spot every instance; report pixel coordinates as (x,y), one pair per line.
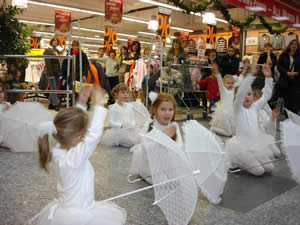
(35,42)
(164,24)
(110,36)
(210,36)
(62,40)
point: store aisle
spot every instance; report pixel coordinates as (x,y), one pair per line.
(247,200)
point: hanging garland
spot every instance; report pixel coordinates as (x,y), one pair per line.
(270,28)
(221,7)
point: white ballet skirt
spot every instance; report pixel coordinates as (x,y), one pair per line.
(222,122)
(251,147)
(132,117)
(139,163)
(76,204)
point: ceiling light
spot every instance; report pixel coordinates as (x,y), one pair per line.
(255,8)
(182,29)
(209,18)
(93,12)
(74,36)
(279,18)
(151,34)
(19,3)
(153,24)
(81,28)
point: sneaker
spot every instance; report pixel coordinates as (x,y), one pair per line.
(234,170)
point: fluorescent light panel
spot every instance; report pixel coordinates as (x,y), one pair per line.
(151,34)
(81,28)
(94,13)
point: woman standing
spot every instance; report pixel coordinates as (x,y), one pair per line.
(123,67)
(289,80)
(52,70)
(229,64)
(176,53)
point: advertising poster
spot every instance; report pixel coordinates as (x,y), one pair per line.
(110,36)
(235,39)
(35,42)
(210,36)
(113,12)
(184,36)
(164,24)
(62,23)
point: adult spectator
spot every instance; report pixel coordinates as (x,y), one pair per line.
(289,80)
(52,70)
(176,53)
(122,66)
(268,57)
(229,64)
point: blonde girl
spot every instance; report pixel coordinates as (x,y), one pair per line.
(75,173)
(162,110)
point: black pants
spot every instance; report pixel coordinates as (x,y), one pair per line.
(113,81)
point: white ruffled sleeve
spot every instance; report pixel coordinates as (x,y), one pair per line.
(80,153)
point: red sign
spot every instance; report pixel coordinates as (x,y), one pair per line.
(62,22)
(113,12)
(284,11)
(184,36)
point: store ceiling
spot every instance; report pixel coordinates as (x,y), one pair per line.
(134,9)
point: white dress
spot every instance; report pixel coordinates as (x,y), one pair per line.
(76,204)
(251,146)
(139,164)
(265,120)
(223,122)
(123,116)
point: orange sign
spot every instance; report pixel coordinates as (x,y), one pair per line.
(164,24)
(210,36)
(110,36)
(35,42)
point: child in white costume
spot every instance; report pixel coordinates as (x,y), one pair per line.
(76,204)
(251,147)
(222,122)
(123,119)
(162,111)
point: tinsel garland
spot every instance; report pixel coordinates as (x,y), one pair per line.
(221,7)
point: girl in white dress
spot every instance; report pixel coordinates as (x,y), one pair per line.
(222,122)
(75,173)
(162,111)
(251,147)
(122,120)
(3,104)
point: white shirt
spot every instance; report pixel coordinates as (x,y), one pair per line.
(121,115)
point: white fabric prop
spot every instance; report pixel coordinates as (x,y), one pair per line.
(153,96)
(47,127)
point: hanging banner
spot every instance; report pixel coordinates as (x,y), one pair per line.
(35,42)
(62,40)
(62,23)
(184,36)
(284,11)
(110,36)
(113,12)
(210,37)
(235,38)
(164,24)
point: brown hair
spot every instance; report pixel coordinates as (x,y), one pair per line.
(2,86)
(69,123)
(119,87)
(75,42)
(298,46)
(257,92)
(268,44)
(162,97)
(228,78)
(53,39)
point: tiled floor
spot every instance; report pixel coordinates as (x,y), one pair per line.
(270,200)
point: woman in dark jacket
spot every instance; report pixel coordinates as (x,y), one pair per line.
(229,64)
(52,70)
(85,64)
(176,54)
(289,80)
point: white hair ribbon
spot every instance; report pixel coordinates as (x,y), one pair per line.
(47,128)
(153,96)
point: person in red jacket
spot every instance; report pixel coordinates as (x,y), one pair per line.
(212,89)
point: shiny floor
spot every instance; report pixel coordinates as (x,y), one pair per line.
(247,200)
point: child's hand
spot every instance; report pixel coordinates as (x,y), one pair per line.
(266,70)
(275,113)
(99,96)
(84,95)
(170,131)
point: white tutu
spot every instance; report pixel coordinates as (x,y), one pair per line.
(100,213)
(247,153)
(140,164)
(222,122)
(122,137)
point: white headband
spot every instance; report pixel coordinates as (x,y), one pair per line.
(47,128)
(153,96)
